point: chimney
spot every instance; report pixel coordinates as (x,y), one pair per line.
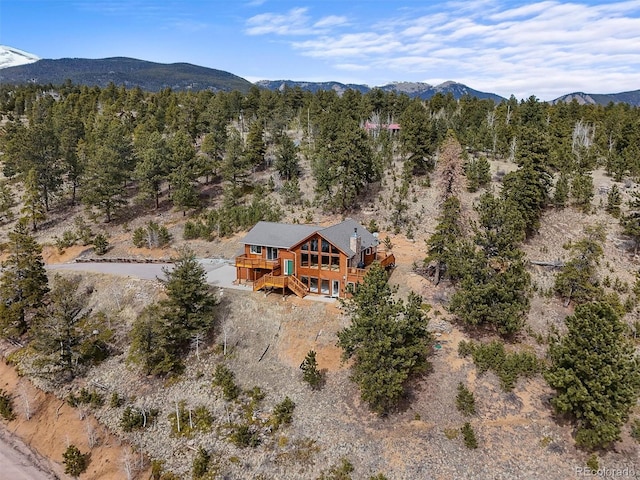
(355,244)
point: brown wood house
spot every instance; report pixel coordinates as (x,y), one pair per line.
(308,259)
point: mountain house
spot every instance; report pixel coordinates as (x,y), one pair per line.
(308,259)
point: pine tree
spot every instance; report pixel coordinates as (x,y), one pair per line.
(595,373)
(105,175)
(7,202)
(255,148)
(286,158)
(33,209)
(582,191)
(614,200)
(162,333)
(577,281)
(23,284)
(631,221)
(310,372)
(442,245)
(561,192)
(387,341)
(68,336)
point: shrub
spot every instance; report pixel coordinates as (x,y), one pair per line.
(593,464)
(67,240)
(200,465)
(282,413)
(310,372)
(86,397)
(152,235)
(635,429)
(135,419)
(507,366)
(74,461)
(465,401)
(116,400)
(185,421)
(100,244)
(225,379)
(6,406)
(245,435)
(469,436)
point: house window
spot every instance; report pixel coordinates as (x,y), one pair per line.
(272,253)
(324,287)
(325,262)
(335,250)
(314,245)
(314,261)
(256,249)
(304,259)
(335,263)
(325,246)
(305,246)
(305,280)
(367,251)
(313,286)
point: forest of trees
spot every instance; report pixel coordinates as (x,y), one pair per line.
(101,150)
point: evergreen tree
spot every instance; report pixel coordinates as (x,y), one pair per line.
(152,167)
(501,227)
(23,283)
(104,180)
(416,141)
(496,296)
(185,195)
(442,245)
(595,373)
(578,281)
(68,335)
(310,372)
(163,332)
(582,191)
(631,221)
(528,187)
(32,207)
(561,192)
(255,148)
(287,158)
(7,202)
(387,341)
(75,463)
(614,200)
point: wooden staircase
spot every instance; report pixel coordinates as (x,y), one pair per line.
(281,281)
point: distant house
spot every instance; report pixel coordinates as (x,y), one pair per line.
(375,128)
(308,259)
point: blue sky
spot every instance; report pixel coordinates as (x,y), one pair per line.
(545,48)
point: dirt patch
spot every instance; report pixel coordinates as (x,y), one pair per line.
(53,425)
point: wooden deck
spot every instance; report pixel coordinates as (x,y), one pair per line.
(244,261)
(356,275)
(281,281)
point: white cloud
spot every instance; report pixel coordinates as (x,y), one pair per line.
(331,21)
(294,22)
(549,47)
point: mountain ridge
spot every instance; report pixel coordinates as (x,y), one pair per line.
(19,67)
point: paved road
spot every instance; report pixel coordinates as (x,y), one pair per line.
(17,462)
(219,272)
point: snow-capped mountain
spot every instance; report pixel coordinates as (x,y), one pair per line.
(12,57)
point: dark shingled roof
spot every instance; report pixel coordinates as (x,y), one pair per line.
(340,234)
(286,235)
(280,235)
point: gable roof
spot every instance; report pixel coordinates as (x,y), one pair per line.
(280,235)
(288,235)
(339,235)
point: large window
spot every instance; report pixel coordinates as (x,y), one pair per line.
(256,249)
(324,287)
(313,285)
(304,259)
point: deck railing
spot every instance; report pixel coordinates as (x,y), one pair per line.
(246,261)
